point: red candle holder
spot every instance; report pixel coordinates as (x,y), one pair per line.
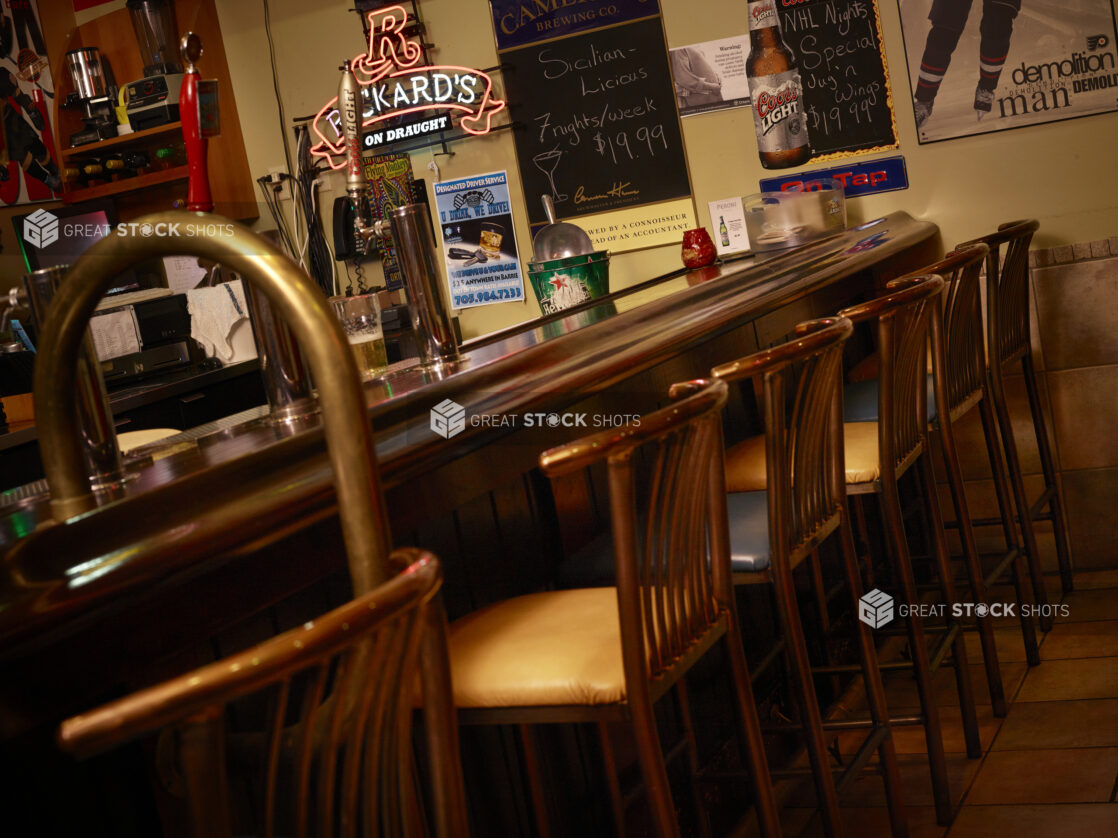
(698,249)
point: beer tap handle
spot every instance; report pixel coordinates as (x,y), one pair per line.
(357,188)
(198,197)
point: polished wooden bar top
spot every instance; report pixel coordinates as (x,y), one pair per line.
(240,484)
(145,392)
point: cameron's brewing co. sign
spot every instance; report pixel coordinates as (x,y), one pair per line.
(520,22)
(394,86)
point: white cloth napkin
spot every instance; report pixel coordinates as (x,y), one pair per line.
(214,312)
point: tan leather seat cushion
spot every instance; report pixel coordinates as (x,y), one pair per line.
(745,466)
(553,648)
(745,462)
(130,440)
(863,465)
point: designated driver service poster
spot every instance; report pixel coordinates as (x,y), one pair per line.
(479,244)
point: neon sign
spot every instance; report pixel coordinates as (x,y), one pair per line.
(394,84)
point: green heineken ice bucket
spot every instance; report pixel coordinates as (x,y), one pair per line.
(562,283)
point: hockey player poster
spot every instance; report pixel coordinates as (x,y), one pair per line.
(977,66)
(28,169)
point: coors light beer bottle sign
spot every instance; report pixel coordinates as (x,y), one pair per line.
(774,85)
(762,15)
(777,112)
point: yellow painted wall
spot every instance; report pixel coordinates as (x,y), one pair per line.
(1065,174)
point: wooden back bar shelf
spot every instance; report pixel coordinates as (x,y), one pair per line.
(157,188)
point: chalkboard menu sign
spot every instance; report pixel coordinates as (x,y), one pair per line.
(598,127)
(847,95)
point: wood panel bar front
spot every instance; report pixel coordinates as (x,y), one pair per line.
(204,539)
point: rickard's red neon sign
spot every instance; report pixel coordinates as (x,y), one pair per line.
(392,85)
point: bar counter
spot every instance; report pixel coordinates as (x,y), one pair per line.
(243,516)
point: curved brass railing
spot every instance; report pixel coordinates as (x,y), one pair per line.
(348,430)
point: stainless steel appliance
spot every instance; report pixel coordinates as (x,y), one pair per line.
(95,92)
(142,334)
(154,99)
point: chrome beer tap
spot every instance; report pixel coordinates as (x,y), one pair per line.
(408,226)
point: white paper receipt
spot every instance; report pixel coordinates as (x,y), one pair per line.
(183,272)
(115,333)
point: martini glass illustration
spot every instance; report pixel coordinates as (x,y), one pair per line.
(547,162)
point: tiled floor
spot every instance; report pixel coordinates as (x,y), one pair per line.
(1050,768)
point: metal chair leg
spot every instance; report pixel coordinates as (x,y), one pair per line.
(535,782)
(651,759)
(1026,599)
(875,691)
(754,744)
(692,756)
(861,527)
(973,567)
(617,801)
(933,730)
(967,706)
(1048,466)
(1024,516)
(804,690)
(819,596)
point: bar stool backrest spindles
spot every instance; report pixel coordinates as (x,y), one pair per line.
(1007,290)
(803,440)
(673,580)
(335,754)
(962,321)
(902,321)
(961,335)
(1008,341)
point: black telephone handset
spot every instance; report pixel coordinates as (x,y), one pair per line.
(345,241)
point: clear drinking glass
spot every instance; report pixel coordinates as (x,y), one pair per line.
(360,319)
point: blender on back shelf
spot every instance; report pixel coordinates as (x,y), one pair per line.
(154,99)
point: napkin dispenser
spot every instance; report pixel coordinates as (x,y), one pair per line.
(777,220)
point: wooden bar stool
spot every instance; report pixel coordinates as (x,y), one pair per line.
(788,496)
(608,654)
(334,755)
(1008,341)
(959,384)
(878,454)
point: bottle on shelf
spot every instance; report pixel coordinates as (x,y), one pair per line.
(723,232)
(117,167)
(94,172)
(167,157)
(83,173)
(136,160)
